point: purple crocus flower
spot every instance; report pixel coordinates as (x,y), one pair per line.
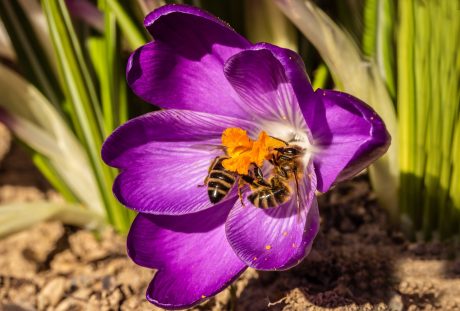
(210,78)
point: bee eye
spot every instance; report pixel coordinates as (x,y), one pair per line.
(291,151)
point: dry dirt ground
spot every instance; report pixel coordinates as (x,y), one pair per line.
(357,262)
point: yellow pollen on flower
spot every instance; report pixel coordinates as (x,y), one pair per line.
(203,296)
(268,247)
(243,151)
(236,141)
(239,164)
(285,233)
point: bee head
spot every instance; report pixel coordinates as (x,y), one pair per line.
(291,151)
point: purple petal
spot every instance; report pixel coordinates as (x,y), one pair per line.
(164,178)
(276,238)
(183,68)
(348,133)
(191,252)
(172,23)
(294,69)
(164,156)
(168,126)
(260,80)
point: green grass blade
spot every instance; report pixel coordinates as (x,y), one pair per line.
(132,32)
(428,109)
(18,216)
(455,183)
(33,119)
(405,100)
(449,101)
(320,77)
(420,108)
(6,47)
(385,43)
(80,90)
(51,174)
(264,22)
(378,38)
(369,41)
(34,60)
(109,70)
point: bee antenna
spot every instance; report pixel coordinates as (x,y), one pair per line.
(283,141)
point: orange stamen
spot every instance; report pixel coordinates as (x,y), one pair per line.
(243,151)
(236,140)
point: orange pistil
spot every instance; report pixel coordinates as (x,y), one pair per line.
(243,151)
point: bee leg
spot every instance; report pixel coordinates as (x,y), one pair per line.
(273,160)
(205,182)
(258,172)
(259,179)
(246,179)
(240,194)
(297,195)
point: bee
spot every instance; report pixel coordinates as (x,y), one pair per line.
(272,195)
(287,162)
(287,165)
(219,181)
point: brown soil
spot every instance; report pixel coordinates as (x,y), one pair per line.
(357,263)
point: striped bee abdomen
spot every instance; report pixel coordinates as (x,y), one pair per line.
(219,181)
(269,197)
